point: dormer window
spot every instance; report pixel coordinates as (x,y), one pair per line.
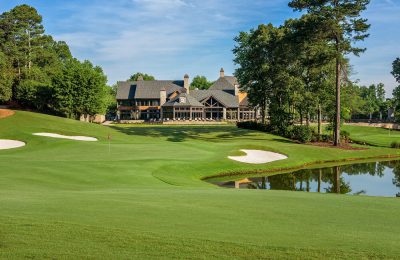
(182,100)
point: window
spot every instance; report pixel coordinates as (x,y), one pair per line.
(182,100)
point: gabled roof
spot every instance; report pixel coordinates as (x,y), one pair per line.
(190,101)
(226,99)
(147,89)
(225,83)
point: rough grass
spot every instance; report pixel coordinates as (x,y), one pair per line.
(143,198)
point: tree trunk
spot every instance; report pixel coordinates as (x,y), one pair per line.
(337,121)
(301,116)
(29,52)
(319,120)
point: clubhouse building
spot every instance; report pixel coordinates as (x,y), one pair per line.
(173,100)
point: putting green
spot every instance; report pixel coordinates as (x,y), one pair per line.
(140,195)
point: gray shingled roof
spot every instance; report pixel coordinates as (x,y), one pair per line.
(146,89)
(225,83)
(228,100)
(190,101)
(245,102)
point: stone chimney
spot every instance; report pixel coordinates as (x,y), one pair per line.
(236,90)
(186,83)
(163,96)
(140,78)
(222,73)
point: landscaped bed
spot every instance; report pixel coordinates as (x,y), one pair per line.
(140,195)
(6,113)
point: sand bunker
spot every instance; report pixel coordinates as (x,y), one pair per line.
(258,157)
(10,144)
(6,113)
(77,138)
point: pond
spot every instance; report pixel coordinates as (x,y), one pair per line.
(371,179)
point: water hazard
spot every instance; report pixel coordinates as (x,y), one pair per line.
(371,179)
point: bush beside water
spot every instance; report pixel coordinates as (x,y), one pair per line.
(301,133)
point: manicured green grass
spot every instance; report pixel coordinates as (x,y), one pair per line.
(373,135)
(144,198)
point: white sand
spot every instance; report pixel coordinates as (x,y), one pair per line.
(258,157)
(78,138)
(10,144)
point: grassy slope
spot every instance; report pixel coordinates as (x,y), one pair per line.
(68,199)
(373,135)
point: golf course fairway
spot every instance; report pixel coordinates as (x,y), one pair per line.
(139,194)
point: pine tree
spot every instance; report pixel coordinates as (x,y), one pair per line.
(339,23)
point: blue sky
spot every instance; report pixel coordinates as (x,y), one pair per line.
(168,38)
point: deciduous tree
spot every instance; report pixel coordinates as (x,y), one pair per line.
(145,76)
(200,82)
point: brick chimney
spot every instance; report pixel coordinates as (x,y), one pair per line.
(186,83)
(222,73)
(163,96)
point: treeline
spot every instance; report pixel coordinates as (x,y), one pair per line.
(396,91)
(39,72)
(299,70)
(366,102)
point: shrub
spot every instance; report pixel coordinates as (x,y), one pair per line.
(395,144)
(344,135)
(302,133)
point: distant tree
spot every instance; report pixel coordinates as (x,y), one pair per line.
(80,89)
(145,76)
(6,78)
(200,82)
(110,99)
(340,24)
(22,36)
(396,91)
(381,99)
(33,57)
(396,69)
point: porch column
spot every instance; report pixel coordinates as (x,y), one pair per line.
(224,113)
(190,117)
(118,115)
(238,114)
(161,113)
(173,113)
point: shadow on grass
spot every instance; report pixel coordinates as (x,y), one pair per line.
(183,133)
(286,141)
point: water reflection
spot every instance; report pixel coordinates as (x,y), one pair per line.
(373,179)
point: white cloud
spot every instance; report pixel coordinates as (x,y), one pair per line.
(171,37)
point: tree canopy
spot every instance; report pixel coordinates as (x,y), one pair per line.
(396,70)
(38,72)
(137,75)
(80,89)
(200,82)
